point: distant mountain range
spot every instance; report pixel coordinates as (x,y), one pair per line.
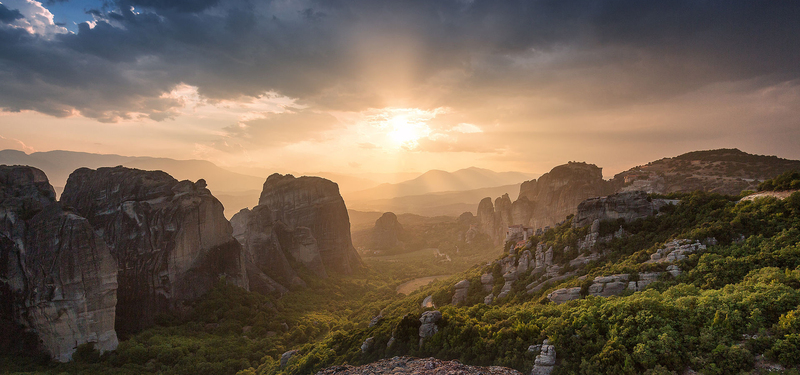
(432,193)
(440,181)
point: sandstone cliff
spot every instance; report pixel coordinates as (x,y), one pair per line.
(57,276)
(298,221)
(169,238)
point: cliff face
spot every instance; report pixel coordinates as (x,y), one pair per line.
(169,238)
(628,206)
(543,202)
(302,220)
(556,194)
(57,276)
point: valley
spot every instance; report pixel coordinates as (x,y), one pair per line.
(633,282)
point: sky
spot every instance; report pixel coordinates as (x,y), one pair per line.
(365,86)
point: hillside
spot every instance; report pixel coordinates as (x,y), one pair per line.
(724,171)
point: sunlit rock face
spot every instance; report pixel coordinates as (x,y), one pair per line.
(314,203)
(57,277)
(298,222)
(169,238)
(556,194)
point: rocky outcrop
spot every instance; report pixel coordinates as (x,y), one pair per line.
(387,232)
(170,238)
(562,295)
(427,302)
(460,295)
(57,276)
(607,286)
(546,360)
(556,194)
(428,327)
(675,250)
(286,356)
(544,202)
(367,345)
(298,221)
(628,206)
(314,203)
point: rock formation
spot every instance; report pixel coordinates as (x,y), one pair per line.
(559,296)
(428,327)
(556,194)
(460,295)
(57,277)
(628,206)
(387,232)
(546,360)
(298,221)
(170,239)
(543,202)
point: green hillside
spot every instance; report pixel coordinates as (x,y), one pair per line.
(735,308)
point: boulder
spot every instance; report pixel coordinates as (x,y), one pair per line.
(488,299)
(562,295)
(170,238)
(460,295)
(367,345)
(545,361)
(487,282)
(286,356)
(428,327)
(427,302)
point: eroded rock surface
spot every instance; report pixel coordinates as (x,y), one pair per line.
(546,360)
(428,327)
(460,295)
(170,238)
(302,220)
(628,206)
(58,277)
(388,232)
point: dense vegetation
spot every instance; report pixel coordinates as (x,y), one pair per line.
(737,304)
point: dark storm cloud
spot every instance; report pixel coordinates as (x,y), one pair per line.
(9,15)
(341,54)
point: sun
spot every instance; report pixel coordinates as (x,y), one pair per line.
(405,131)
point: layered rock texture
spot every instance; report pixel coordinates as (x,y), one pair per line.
(170,239)
(627,206)
(57,277)
(417,366)
(297,222)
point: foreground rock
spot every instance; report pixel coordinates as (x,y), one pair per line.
(169,238)
(57,277)
(301,219)
(423,366)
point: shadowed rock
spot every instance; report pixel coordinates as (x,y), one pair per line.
(58,278)
(169,238)
(298,220)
